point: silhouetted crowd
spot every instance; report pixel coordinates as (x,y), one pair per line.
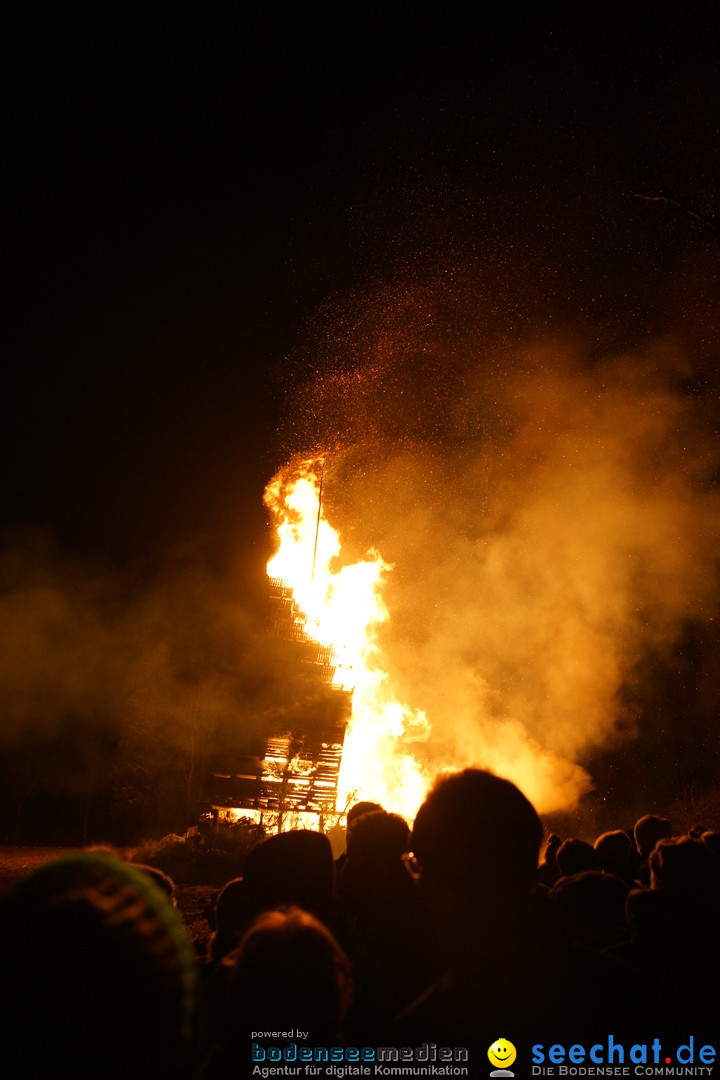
(453,934)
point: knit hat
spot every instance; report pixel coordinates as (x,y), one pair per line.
(98,972)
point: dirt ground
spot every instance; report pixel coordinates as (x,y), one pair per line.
(193,901)
(15,862)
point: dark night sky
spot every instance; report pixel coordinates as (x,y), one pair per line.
(184,193)
(199,204)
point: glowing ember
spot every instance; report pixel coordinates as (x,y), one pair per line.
(344,608)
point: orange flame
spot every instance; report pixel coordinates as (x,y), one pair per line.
(344,608)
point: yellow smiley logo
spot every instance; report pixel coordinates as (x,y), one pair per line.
(502,1053)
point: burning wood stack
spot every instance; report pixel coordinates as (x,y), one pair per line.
(297,769)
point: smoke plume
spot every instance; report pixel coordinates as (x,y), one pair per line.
(127,689)
(549,512)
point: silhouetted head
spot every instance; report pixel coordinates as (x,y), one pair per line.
(685,865)
(648,830)
(235,909)
(291,868)
(616,853)
(477,832)
(98,972)
(358,810)
(574,856)
(379,838)
(614,846)
(288,972)
(712,840)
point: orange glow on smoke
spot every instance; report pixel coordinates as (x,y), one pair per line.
(391,754)
(527,568)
